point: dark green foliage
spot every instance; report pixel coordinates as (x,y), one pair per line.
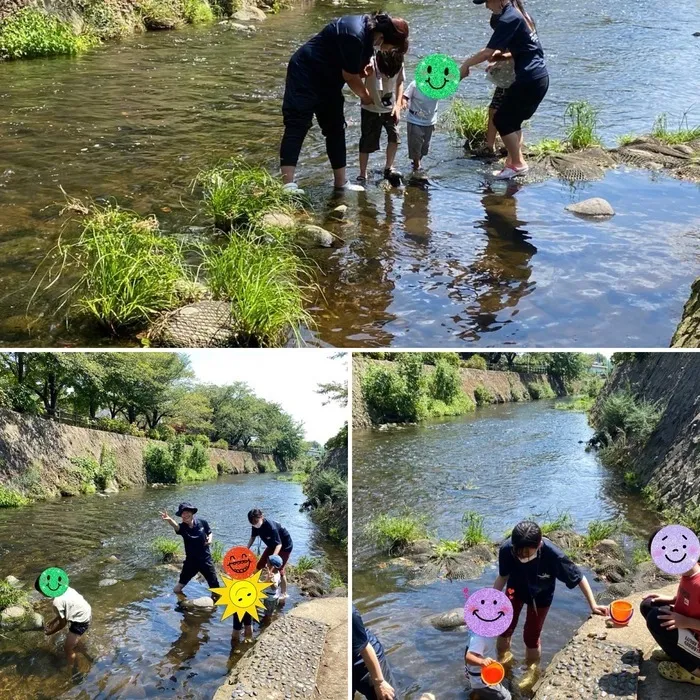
(445,382)
(10,498)
(475,362)
(483,396)
(160,468)
(198,458)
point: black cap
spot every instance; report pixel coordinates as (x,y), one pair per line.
(185,506)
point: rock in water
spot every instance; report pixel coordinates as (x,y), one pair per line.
(339,212)
(205,602)
(596,208)
(449,620)
(13,581)
(249,14)
(12,616)
(33,622)
(316,236)
(205,324)
(278,219)
(108,582)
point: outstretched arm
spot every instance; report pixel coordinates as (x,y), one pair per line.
(475,60)
(382,689)
(588,593)
(173,523)
(357,85)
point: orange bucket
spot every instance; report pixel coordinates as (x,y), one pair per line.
(621,611)
(492,674)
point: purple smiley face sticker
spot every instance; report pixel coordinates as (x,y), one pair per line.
(488,612)
(675,549)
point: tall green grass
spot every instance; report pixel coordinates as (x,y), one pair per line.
(306,563)
(473,532)
(239,194)
(599,530)
(683,134)
(130,271)
(10,498)
(468,122)
(165,547)
(395,533)
(217,551)
(562,521)
(9,596)
(31,33)
(582,122)
(623,412)
(197,12)
(267,285)
(547,147)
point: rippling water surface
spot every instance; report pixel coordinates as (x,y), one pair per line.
(507,462)
(140,644)
(461,262)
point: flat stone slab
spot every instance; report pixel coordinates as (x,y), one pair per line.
(282,665)
(205,324)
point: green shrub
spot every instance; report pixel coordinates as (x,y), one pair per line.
(30,33)
(113,425)
(130,271)
(445,382)
(108,21)
(107,469)
(461,405)
(547,147)
(166,432)
(87,469)
(306,563)
(240,194)
(473,532)
(198,458)
(684,133)
(165,547)
(388,397)
(475,362)
(631,481)
(217,551)
(394,534)
(622,412)
(562,521)
(468,123)
(483,396)
(446,548)
(267,285)
(582,404)
(599,530)
(29,483)
(202,440)
(220,445)
(432,358)
(197,12)
(582,124)
(10,498)
(159,465)
(9,596)
(541,390)
(161,14)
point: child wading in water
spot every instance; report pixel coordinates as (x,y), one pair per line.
(273,574)
(73,610)
(385,84)
(480,652)
(421,119)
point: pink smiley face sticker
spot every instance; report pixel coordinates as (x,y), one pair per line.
(488,612)
(675,549)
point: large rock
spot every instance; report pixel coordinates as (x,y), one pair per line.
(278,219)
(205,602)
(249,14)
(451,620)
(111,488)
(32,622)
(13,581)
(596,208)
(315,236)
(608,548)
(204,324)
(12,616)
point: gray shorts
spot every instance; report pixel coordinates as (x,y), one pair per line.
(494,692)
(418,138)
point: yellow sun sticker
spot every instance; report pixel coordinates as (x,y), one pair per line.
(241,597)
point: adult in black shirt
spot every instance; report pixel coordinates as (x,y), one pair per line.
(515,35)
(530,566)
(197,536)
(338,54)
(277,541)
(371,674)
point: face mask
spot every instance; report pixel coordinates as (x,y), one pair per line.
(527,559)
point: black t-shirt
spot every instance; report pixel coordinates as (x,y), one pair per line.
(535,581)
(272,534)
(195,538)
(345,44)
(512,33)
(361,637)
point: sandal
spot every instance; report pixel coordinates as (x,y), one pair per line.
(671,671)
(509,172)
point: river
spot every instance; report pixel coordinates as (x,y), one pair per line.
(461,262)
(508,462)
(142,645)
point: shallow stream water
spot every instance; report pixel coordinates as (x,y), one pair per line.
(462,262)
(507,462)
(142,646)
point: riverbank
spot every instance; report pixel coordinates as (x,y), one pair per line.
(687,334)
(480,386)
(44,459)
(29,29)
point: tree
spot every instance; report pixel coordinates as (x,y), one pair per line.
(192,412)
(567,366)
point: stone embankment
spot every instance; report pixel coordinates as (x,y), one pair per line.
(47,447)
(687,334)
(300,656)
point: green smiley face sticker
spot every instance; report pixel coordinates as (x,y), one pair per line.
(53,582)
(437,76)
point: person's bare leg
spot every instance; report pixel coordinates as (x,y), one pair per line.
(288,172)
(512,143)
(69,647)
(491,132)
(236,636)
(364,160)
(339,178)
(533,656)
(391,150)
(283,586)
(416,164)
(248,633)
(503,646)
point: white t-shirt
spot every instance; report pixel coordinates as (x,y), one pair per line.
(71,606)
(486,648)
(382,89)
(422,110)
(274,590)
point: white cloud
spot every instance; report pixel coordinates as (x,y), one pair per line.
(287,377)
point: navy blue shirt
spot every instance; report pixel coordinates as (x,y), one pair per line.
(512,33)
(535,581)
(195,538)
(272,534)
(361,637)
(345,44)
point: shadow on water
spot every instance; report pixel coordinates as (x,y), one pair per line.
(507,462)
(141,644)
(135,121)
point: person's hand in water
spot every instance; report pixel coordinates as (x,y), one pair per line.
(384,691)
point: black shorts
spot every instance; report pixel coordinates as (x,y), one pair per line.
(238,623)
(371,125)
(79,628)
(519,103)
(497,98)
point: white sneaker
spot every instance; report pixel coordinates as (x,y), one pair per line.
(349,187)
(293,188)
